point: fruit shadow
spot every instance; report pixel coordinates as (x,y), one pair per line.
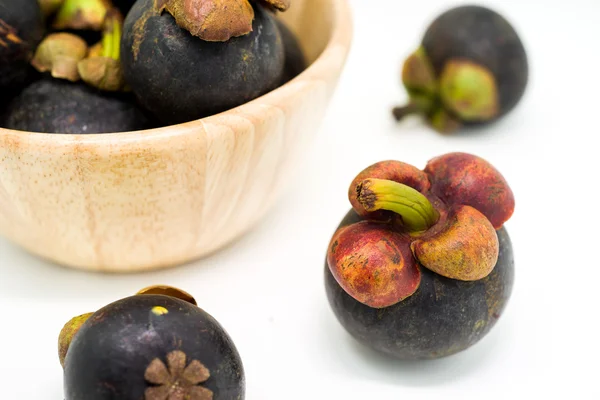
(29,276)
(359,362)
(416,124)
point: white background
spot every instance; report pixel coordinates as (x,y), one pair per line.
(267,288)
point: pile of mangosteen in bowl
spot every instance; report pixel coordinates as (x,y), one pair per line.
(148,134)
(106,66)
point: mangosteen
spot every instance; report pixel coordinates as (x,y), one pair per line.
(155,345)
(471,69)
(59,106)
(185,61)
(295,61)
(21,30)
(422,266)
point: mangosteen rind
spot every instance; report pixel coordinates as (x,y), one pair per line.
(180,78)
(145,345)
(443,317)
(53,105)
(21,30)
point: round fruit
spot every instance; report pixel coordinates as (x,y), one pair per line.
(422,267)
(151,347)
(444,316)
(21,29)
(182,76)
(470,69)
(59,106)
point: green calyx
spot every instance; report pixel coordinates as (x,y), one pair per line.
(416,211)
(67,334)
(102,68)
(81,14)
(469,91)
(464,92)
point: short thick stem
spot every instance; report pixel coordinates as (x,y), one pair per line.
(416,211)
(403,111)
(419,104)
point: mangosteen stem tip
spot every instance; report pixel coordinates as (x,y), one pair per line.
(403,111)
(417,212)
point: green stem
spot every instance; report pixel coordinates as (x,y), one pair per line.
(111,36)
(401,112)
(420,103)
(416,210)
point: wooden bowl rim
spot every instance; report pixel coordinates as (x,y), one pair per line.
(341,36)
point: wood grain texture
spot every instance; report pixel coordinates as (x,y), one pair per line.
(144,200)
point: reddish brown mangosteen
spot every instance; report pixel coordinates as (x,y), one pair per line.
(422,266)
(155,345)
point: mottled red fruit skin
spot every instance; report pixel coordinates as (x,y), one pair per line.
(462,178)
(465,249)
(396,171)
(373,263)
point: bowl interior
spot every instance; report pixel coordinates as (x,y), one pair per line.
(312,22)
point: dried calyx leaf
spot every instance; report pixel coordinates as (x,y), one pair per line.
(59,53)
(211,20)
(169,291)
(103,71)
(466,249)
(95,50)
(67,334)
(82,14)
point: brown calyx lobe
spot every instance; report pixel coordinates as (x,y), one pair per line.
(466,247)
(171,291)
(211,20)
(373,264)
(396,171)
(461,178)
(472,200)
(67,334)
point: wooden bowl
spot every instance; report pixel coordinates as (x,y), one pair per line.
(133,201)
